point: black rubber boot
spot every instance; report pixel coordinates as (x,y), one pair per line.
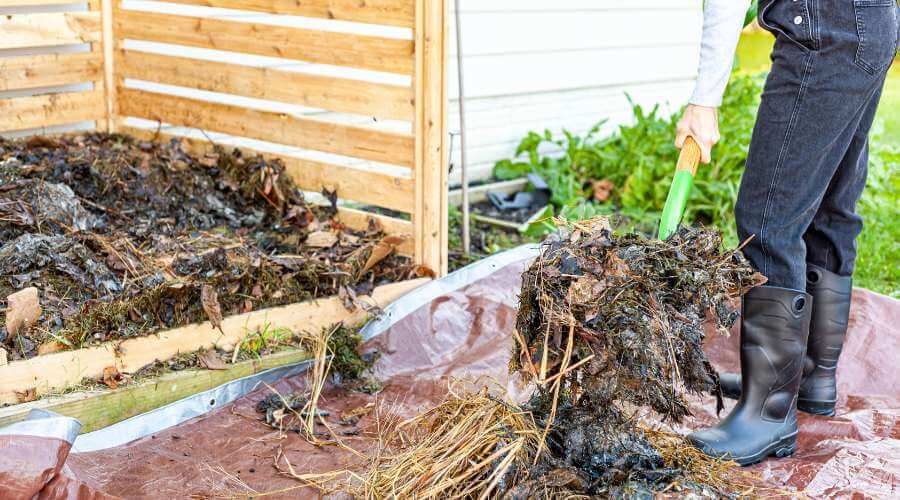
(773,344)
(830,314)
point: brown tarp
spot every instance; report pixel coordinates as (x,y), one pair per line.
(466,334)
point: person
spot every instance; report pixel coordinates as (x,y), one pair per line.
(805,171)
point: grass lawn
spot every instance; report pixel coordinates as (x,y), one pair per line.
(878,266)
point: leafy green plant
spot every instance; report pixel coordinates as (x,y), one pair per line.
(639,160)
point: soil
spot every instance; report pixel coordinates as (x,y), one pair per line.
(124,238)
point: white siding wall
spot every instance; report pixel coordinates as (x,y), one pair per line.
(536,64)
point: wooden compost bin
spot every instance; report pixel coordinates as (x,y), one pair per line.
(63,63)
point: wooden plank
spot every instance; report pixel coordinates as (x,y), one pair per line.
(109,78)
(431,215)
(19,31)
(53,372)
(372,188)
(35,3)
(102,408)
(342,95)
(22,113)
(309,133)
(387,12)
(326,47)
(49,70)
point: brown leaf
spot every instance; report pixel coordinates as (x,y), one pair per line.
(425,272)
(603,190)
(22,310)
(211,360)
(382,249)
(209,299)
(321,239)
(26,395)
(111,377)
(50,347)
(209,160)
(257,291)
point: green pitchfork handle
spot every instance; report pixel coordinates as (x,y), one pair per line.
(682,184)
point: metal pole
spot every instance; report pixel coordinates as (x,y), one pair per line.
(466,240)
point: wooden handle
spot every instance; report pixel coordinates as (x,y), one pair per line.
(689,158)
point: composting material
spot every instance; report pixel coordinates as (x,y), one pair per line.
(123,238)
(610,329)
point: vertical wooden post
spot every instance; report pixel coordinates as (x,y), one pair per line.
(431,218)
(109,82)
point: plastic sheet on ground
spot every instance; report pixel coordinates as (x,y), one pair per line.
(458,327)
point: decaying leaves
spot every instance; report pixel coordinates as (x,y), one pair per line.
(111,377)
(321,239)
(209,299)
(211,360)
(26,395)
(23,309)
(381,250)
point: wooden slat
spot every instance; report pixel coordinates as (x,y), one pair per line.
(334,94)
(342,49)
(63,369)
(309,133)
(19,31)
(109,77)
(22,113)
(99,409)
(49,70)
(372,188)
(431,215)
(386,12)
(35,3)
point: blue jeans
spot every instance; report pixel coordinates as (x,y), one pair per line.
(807,164)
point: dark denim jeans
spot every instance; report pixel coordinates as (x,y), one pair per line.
(808,158)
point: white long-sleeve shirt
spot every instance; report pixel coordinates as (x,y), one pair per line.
(723,21)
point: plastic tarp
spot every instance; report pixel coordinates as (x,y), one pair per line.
(455,328)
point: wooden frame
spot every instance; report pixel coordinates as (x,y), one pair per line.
(380,142)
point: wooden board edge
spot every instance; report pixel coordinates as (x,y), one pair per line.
(99,409)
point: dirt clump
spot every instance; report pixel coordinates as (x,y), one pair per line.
(121,237)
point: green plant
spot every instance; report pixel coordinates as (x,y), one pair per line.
(639,159)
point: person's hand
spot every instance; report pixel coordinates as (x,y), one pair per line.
(701,123)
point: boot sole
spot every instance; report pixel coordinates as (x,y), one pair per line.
(822,408)
(784,447)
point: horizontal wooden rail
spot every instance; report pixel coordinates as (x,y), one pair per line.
(63,369)
(348,140)
(19,31)
(334,94)
(324,47)
(372,188)
(21,113)
(49,70)
(386,12)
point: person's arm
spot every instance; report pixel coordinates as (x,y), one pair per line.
(723,21)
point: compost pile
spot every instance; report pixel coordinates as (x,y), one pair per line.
(123,238)
(610,331)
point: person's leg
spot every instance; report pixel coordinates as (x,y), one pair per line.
(815,100)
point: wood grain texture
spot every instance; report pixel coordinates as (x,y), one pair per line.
(19,31)
(59,370)
(101,408)
(49,70)
(431,215)
(324,47)
(281,128)
(386,12)
(21,113)
(342,95)
(109,76)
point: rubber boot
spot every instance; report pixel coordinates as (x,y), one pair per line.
(773,344)
(831,295)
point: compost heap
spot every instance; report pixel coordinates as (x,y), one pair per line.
(123,238)
(610,329)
